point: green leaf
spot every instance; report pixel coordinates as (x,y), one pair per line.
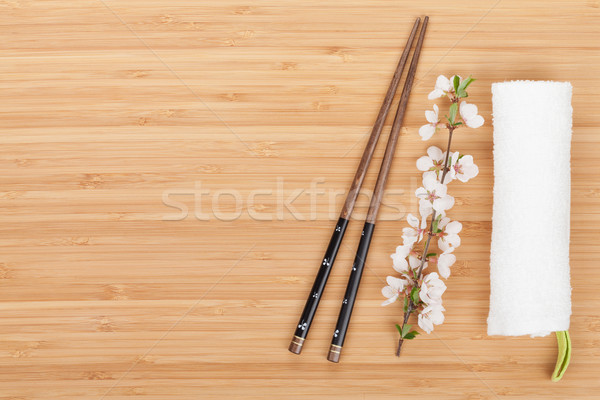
(405,308)
(405,330)
(465,84)
(434,226)
(453,110)
(414,294)
(410,335)
(456,83)
(430,255)
(461,91)
(399,329)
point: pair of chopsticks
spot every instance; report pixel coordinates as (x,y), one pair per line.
(336,239)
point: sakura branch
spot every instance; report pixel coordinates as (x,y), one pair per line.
(421,292)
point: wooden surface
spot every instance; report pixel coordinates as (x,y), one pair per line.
(109,106)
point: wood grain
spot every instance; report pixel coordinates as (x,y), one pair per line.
(109,105)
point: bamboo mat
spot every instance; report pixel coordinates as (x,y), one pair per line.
(116,115)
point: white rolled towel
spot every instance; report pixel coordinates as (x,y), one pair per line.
(529,261)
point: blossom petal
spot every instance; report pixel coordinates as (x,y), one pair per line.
(412,220)
(469,172)
(414,262)
(425,208)
(440,189)
(425,323)
(400,264)
(445,261)
(444,246)
(423,224)
(432,276)
(454,158)
(427,131)
(388,292)
(430,181)
(423,293)
(389,301)
(435,153)
(443,83)
(403,250)
(467,110)
(430,176)
(436,316)
(466,160)
(396,283)
(443,222)
(453,227)
(444,270)
(475,122)
(409,240)
(449,243)
(432,116)
(435,94)
(454,241)
(408,232)
(421,192)
(443,203)
(424,163)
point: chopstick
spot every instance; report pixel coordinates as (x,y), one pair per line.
(367,233)
(312,302)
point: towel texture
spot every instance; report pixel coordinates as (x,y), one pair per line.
(529,261)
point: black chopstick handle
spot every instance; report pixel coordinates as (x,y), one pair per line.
(351,291)
(310,308)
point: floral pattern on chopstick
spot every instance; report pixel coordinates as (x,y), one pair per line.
(422,292)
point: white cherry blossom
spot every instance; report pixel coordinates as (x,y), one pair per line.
(430,316)
(393,290)
(399,258)
(416,230)
(433,195)
(415,263)
(433,161)
(468,112)
(425,208)
(448,238)
(462,167)
(427,131)
(444,262)
(443,86)
(432,289)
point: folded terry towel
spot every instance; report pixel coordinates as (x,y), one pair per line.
(529,262)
